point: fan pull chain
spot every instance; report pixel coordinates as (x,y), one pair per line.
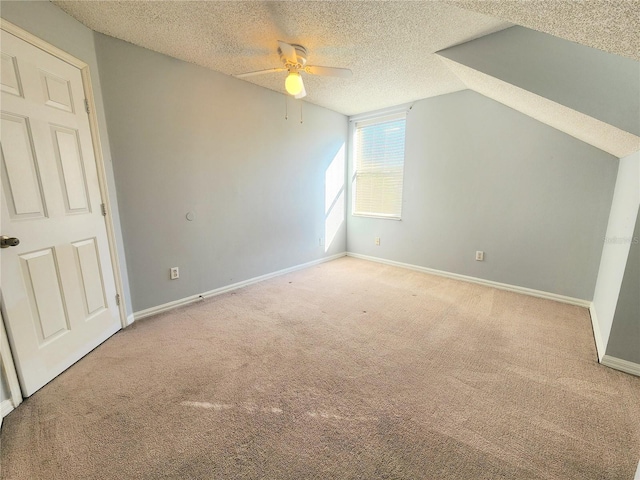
(286,107)
(301,103)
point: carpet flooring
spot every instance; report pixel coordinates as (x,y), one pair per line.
(346,370)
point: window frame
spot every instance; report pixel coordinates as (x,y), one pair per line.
(364,121)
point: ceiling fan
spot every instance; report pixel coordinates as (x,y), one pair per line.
(294,58)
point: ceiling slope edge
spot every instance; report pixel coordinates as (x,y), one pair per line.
(587,129)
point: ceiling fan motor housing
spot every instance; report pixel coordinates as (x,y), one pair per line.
(301,57)
(294,59)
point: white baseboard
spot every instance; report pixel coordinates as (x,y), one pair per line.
(6,407)
(622,365)
(600,346)
(501,286)
(234,286)
(130,319)
(637,476)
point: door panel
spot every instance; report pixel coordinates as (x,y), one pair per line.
(10,77)
(57,91)
(74,184)
(41,278)
(58,288)
(91,276)
(19,168)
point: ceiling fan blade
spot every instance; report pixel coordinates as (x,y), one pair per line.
(303,93)
(260,72)
(328,71)
(288,52)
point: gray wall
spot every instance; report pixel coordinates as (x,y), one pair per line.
(481,176)
(5,394)
(184,138)
(573,75)
(51,24)
(624,340)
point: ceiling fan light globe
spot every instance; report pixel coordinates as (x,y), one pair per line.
(293,83)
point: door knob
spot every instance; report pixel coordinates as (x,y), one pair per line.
(6,242)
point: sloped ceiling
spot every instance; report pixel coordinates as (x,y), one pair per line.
(609,25)
(584,92)
(590,130)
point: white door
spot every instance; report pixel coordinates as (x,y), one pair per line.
(58,289)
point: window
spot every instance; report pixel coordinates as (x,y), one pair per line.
(379,166)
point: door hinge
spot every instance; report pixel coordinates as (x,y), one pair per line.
(103,209)
(117,299)
(86,105)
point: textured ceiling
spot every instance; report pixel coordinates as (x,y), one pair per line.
(609,25)
(389,45)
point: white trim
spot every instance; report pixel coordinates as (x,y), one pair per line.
(597,335)
(8,368)
(130,319)
(383,112)
(501,286)
(41,44)
(622,365)
(6,407)
(104,191)
(97,146)
(637,476)
(234,286)
(382,118)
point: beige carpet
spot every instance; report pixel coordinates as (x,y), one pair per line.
(347,370)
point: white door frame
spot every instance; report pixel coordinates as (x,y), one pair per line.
(97,148)
(8,369)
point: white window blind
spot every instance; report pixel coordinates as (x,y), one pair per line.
(379,166)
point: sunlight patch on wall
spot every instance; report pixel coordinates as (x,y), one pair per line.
(334,206)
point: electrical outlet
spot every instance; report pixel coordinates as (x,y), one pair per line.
(174,273)
(480,256)
(377,240)
(321,241)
